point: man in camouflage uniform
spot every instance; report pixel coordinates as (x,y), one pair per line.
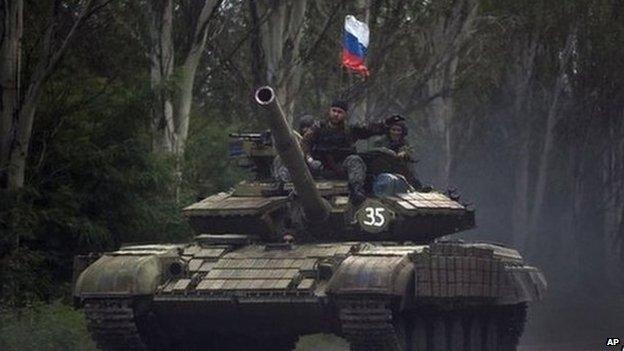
(280,172)
(395,140)
(333,143)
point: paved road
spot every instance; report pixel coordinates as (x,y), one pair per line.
(564,347)
(331,343)
(570,347)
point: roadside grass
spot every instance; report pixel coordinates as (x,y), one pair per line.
(44,327)
(58,326)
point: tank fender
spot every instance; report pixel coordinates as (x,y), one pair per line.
(448,270)
(526,284)
(120,275)
(373,274)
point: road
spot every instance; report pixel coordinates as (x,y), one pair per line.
(598,346)
(331,343)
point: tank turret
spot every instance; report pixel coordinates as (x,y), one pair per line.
(320,208)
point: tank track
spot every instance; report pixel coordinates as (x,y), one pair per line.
(487,328)
(512,319)
(369,324)
(113,325)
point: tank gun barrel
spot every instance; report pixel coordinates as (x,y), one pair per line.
(289,151)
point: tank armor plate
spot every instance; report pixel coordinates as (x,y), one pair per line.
(225,239)
(254,270)
(417,202)
(225,204)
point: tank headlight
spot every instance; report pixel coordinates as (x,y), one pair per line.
(176,269)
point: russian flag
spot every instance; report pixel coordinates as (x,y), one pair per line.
(355,45)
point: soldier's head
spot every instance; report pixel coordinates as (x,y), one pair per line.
(397,132)
(338,112)
(305,123)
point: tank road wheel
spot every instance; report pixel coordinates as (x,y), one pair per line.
(511,325)
(437,332)
(114,324)
(495,329)
(419,333)
(368,325)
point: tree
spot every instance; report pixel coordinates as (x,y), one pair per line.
(444,40)
(10,53)
(173,86)
(19,104)
(280,26)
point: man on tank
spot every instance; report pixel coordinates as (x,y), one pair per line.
(332,142)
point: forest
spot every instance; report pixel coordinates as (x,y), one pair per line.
(115,114)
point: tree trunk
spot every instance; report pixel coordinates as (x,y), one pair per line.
(11,15)
(13,165)
(544,157)
(187,74)
(258,65)
(173,97)
(21,142)
(161,57)
(520,209)
(281,38)
(520,78)
(448,35)
(440,116)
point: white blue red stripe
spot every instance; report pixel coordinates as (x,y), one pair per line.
(355,45)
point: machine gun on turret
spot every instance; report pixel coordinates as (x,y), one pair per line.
(253,151)
(262,138)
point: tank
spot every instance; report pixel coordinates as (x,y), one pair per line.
(274,261)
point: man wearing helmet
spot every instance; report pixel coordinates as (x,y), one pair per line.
(280,172)
(395,140)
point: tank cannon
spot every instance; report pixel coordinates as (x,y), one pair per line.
(316,210)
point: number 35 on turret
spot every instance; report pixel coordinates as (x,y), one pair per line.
(373,216)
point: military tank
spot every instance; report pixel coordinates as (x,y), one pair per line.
(276,261)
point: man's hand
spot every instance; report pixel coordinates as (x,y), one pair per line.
(315,165)
(403,155)
(393,119)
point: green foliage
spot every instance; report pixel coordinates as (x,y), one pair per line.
(44,327)
(93,181)
(207,169)
(24,278)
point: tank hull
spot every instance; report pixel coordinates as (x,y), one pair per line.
(369,293)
